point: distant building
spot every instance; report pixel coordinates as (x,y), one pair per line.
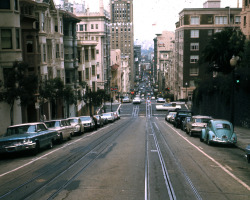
(163,60)
(122,31)
(193,31)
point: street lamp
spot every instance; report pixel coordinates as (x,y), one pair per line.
(233,63)
(186,85)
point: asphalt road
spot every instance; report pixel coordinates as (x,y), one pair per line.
(137,157)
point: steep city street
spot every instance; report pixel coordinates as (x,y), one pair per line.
(137,157)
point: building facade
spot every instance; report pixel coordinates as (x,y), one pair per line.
(122,31)
(193,30)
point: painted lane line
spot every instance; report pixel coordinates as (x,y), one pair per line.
(213,160)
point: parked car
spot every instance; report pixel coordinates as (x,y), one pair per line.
(137,100)
(219,131)
(169,115)
(109,116)
(126,100)
(88,123)
(77,125)
(180,115)
(196,124)
(63,128)
(117,115)
(248,153)
(160,100)
(99,120)
(184,123)
(167,106)
(29,136)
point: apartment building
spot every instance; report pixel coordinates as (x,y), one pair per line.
(93,35)
(245,18)
(164,47)
(122,31)
(193,30)
(116,70)
(10,52)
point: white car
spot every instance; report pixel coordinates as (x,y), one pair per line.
(160,100)
(168,106)
(126,100)
(137,100)
(109,116)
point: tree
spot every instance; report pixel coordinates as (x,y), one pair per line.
(54,89)
(220,49)
(18,84)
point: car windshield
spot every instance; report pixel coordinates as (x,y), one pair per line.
(185,113)
(73,121)
(20,130)
(106,114)
(52,124)
(222,126)
(87,118)
(202,120)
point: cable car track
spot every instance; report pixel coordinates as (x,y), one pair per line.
(70,167)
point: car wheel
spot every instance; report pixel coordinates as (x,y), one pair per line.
(35,151)
(50,145)
(190,133)
(208,142)
(61,138)
(201,139)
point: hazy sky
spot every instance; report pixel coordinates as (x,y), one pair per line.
(163,13)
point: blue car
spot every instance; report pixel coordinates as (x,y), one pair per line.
(218,131)
(29,136)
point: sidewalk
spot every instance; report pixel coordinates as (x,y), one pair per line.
(243,137)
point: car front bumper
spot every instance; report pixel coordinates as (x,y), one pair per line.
(17,148)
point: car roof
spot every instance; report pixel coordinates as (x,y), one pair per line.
(25,124)
(201,116)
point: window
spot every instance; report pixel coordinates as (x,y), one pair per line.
(6,39)
(81,27)
(209,20)
(97,51)
(5,4)
(17,39)
(221,20)
(96,26)
(16,4)
(86,54)
(237,20)
(194,33)
(57,51)
(194,71)
(87,73)
(92,26)
(92,54)
(93,70)
(44,53)
(42,21)
(194,59)
(194,46)
(195,20)
(62,47)
(245,21)
(98,76)
(85,27)
(210,32)
(97,39)
(29,46)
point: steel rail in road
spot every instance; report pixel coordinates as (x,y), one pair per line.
(195,191)
(89,152)
(135,111)
(168,183)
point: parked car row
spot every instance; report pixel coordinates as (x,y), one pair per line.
(34,136)
(208,129)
